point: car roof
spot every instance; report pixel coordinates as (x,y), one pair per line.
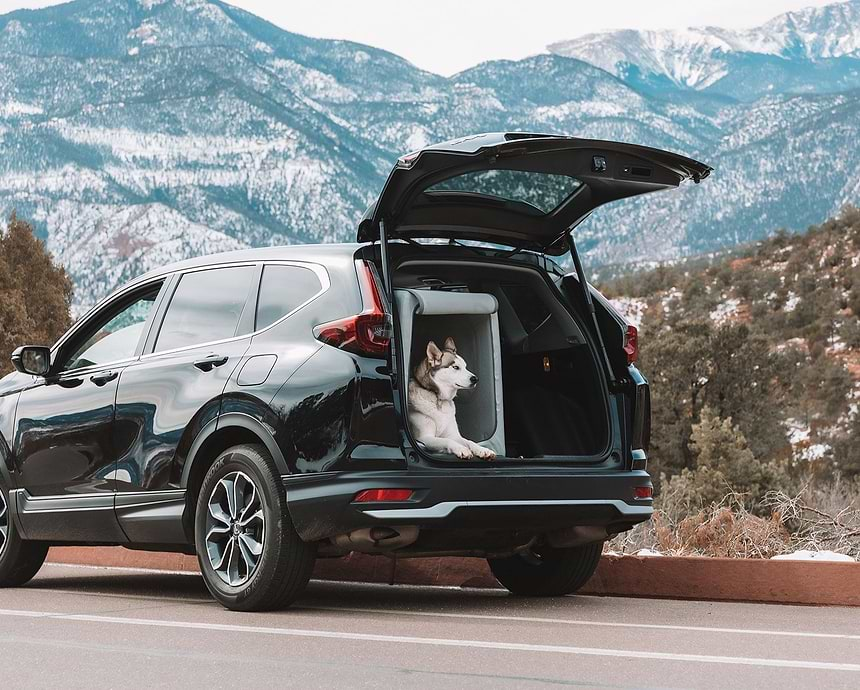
(314,253)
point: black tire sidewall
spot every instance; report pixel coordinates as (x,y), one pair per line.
(249,460)
(20,559)
(560,572)
(241,459)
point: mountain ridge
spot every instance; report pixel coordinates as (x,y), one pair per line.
(200,127)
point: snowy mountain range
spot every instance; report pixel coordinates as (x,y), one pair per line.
(133,132)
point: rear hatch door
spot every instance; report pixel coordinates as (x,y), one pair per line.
(517,189)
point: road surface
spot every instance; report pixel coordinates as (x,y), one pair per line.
(84,627)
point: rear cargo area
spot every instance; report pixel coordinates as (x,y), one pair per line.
(540,393)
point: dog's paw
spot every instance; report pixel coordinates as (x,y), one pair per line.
(461,451)
(484,453)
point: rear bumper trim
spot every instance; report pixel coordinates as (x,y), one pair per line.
(444,509)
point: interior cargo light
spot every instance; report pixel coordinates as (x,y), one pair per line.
(367,333)
(643,492)
(631,344)
(379,495)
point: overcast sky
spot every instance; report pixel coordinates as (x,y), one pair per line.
(447,36)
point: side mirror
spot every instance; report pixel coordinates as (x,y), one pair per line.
(32,359)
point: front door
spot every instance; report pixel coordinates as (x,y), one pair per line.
(175,390)
(63,445)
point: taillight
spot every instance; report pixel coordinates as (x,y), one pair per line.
(367,333)
(380,495)
(643,493)
(631,344)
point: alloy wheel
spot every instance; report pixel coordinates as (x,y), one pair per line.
(235,528)
(4,521)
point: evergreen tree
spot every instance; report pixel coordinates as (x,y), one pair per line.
(35,293)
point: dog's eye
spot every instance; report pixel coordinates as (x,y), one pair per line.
(457,367)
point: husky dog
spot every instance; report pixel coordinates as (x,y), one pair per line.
(432,414)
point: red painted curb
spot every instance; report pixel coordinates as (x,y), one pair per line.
(723,579)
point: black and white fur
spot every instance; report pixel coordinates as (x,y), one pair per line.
(432,413)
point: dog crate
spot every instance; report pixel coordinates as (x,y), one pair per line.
(471,319)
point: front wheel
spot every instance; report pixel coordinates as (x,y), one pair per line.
(548,572)
(20,560)
(251,556)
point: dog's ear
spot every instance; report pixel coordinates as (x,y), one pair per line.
(450,346)
(434,354)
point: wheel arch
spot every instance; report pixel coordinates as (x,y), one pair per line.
(226,431)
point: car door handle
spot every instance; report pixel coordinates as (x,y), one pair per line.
(104,377)
(210,362)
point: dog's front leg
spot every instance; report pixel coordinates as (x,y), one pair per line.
(478,450)
(445,445)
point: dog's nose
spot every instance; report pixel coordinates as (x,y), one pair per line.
(474,380)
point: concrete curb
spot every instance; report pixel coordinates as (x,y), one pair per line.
(722,579)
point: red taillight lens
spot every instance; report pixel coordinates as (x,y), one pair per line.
(643,492)
(367,333)
(631,344)
(378,495)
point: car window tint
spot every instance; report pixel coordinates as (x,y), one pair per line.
(116,338)
(283,289)
(206,306)
(542,192)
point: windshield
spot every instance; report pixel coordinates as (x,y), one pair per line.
(542,191)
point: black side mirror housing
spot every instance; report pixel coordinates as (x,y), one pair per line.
(32,359)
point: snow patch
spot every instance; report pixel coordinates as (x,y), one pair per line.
(725,311)
(791,302)
(822,556)
(631,308)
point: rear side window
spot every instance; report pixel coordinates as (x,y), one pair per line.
(282,290)
(206,306)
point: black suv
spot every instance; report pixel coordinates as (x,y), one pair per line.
(250,407)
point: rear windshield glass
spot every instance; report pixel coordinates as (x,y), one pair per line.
(543,191)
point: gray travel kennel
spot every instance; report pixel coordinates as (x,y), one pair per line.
(471,320)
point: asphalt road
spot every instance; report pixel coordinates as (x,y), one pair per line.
(79,627)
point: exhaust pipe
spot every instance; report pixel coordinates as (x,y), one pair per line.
(377,539)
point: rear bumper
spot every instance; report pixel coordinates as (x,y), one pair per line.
(321,505)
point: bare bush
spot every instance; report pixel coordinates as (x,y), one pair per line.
(820,517)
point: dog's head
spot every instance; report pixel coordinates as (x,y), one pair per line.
(444,370)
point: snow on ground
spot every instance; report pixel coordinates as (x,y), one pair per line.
(805,555)
(648,552)
(798,432)
(791,302)
(815,451)
(631,308)
(725,311)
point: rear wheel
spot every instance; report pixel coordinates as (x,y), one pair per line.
(250,555)
(547,572)
(20,560)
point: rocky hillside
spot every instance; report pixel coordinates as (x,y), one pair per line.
(138,131)
(769,335)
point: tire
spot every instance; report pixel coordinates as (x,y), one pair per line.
(229,533)
(20,560)
(551,573)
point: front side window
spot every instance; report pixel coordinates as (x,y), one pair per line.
(282,290)
(206,306)
(116,338)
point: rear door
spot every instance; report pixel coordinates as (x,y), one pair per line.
(517,189)
(175,389)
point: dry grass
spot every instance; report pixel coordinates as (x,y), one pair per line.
(818,518)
